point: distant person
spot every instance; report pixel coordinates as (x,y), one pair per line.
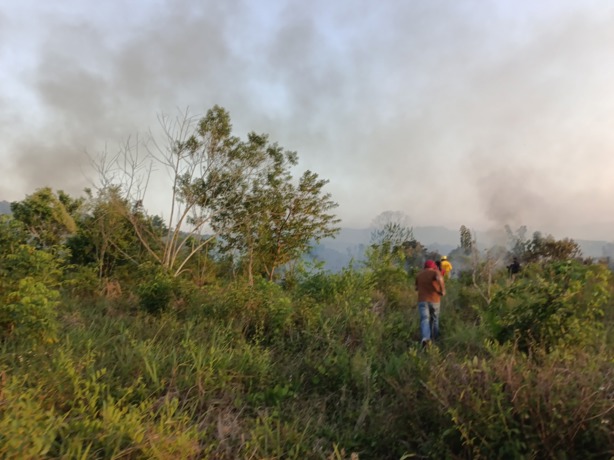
(514,268)
(446,267)
(438,263)
(430,287)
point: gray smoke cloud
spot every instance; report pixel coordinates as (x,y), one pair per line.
(462,112)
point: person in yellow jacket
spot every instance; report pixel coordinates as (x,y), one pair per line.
(446,266)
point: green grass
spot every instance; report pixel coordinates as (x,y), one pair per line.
(261,372)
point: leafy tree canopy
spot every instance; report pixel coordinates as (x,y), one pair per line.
(49,217)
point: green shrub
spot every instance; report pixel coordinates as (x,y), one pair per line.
(25,260)
(155,295)
(263,312)
(29,313)
(559,304)
(155,289)
(29,283)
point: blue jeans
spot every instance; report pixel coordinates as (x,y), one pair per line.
(429,320)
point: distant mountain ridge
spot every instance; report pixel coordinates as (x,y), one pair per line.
(351,243)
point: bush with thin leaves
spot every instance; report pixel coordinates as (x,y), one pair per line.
(559,304)
(29,313)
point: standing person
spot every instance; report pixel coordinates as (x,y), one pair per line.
(514,268)
(430,287)
(446,267)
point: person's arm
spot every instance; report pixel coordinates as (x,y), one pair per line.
(442,285)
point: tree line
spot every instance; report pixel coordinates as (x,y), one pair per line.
(236,198)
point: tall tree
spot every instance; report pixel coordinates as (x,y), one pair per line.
(298,215)
(548,248)
(391,231)
(540,247)
(203,161)
(240,191)
(277,219)
(393,246)
(466,240)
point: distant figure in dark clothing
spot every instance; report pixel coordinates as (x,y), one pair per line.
(514,268)
(438,263)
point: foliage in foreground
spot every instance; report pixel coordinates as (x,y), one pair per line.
(315,371)
(124,335)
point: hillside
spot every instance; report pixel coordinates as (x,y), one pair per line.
(326,366)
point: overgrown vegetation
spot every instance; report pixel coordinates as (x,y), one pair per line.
(108,353)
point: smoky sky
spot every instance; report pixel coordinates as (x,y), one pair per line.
(469,112)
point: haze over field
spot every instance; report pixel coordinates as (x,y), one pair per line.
(467,112)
